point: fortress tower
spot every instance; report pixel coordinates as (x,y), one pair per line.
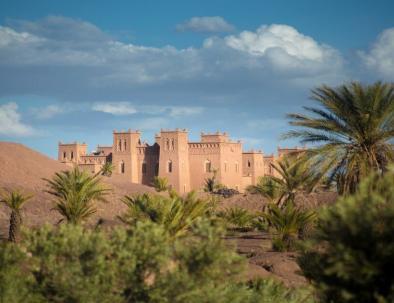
(174,159)
(70,153)
(124,154)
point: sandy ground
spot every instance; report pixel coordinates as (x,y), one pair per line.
(23,168)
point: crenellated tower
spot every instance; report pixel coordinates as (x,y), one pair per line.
(174,158)
(124,154)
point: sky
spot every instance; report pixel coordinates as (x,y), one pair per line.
(77,70)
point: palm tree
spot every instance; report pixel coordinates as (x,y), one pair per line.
(75,192)
(294,176)
(107,169)
(160,184)
(353,128)
(174,213)
(288,223)
(14,200)
(211,184)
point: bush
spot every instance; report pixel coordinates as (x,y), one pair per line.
(160,184)
(238,217)
(350,258)
(70,264)
(175,213)
(288,224)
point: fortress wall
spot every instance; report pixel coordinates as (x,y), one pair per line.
(148,163)
(201,156)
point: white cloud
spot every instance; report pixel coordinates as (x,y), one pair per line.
(214,24)
(381,55)
(128,108)
(283,46)
(10,121)
(48,112)
(115,108)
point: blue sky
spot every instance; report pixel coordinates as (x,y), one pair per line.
(76,70)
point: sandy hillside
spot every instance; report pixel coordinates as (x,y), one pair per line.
(24,168)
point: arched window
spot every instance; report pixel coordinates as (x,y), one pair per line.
(119,144)
(208,166)
(144,168)
(169,166)
(122,167)
(72,155)
(172,144)
(167,144)
(249,163)
(64,155)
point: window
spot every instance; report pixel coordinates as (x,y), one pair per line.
(169,166)
(125,145)
(207,166)
(236,167)
(119,144)
(122,167)
(72,155)
(64,155)
(172,144)
(144,168)
(167,144)
(248,163)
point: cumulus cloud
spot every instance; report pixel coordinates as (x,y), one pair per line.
(10,122)
(115,108)
(214,24)
(284,46)
(381,55)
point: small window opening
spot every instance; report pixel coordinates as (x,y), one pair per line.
(122,167)
(249,164)
(170,166)
(64,155)
(208,166)
(72,155)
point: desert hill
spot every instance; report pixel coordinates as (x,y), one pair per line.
(23,168)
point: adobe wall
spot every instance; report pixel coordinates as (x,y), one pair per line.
(200,155)
(148,163)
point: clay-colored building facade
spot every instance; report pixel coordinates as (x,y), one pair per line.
(185,164)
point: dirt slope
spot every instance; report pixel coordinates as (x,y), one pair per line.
(24,168)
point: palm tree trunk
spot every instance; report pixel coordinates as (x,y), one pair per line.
(15,221)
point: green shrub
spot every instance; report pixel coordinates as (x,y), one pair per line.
(238,217)
(160,184)
(351,256)
(288,225)
(14,282)
(142,264)
(175,213)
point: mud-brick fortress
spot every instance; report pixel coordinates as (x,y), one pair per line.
(185,164)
